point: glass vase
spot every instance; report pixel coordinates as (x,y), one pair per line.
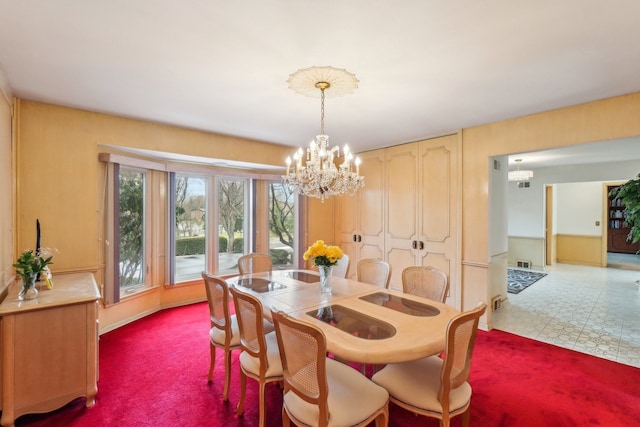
(28,289)
(325,278)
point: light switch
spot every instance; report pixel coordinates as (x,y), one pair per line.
(597,223)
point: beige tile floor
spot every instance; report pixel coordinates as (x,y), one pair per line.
(587,309)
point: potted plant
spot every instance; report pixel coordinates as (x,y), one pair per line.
(629,194)
(28,266)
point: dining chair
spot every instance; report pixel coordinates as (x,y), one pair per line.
(426,282)
(260,357)
(374,271)
(341,268)
(224,332)
(433,386)
(317,389)
(254,263)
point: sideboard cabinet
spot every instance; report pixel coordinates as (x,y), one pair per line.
(49,347)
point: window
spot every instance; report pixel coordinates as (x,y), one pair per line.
(131,231)
(211,226)
(207,220)
(127,237)
(189,210)
(234,225)
(282,221)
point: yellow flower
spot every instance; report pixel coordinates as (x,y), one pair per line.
(323,254)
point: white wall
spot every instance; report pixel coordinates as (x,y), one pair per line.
(579,207)
(498,168)
(525,206)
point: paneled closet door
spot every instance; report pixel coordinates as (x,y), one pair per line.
(359,227)
(438,212)
(372,198)
(346,229)
(401,228)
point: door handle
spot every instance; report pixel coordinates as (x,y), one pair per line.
(414,244)
(355,238)
(359,238)
(421,245)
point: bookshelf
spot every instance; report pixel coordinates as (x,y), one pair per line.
(617,231)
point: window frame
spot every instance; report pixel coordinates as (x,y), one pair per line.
(171,229)
(157,196)
(114,292)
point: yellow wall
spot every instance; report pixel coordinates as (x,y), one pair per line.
(7,272)
(596,121)
(61,182)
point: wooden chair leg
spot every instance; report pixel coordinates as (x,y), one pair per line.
(466,417)
(262,403)
(212,352)
(286,422)
(227,375)
(243,389)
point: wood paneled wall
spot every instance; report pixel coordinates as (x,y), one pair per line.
(582,250)
(7,272)
(603,120)
(61,182)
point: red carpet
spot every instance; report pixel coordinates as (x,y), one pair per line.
(154,373)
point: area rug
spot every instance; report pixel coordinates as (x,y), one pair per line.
(519,280)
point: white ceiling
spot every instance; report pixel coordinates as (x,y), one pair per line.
(426,67)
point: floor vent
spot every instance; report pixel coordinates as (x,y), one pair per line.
(496,303)
(523,264)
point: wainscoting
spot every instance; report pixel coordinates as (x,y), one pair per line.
(579,250)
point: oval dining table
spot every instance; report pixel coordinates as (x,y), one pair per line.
(361,322)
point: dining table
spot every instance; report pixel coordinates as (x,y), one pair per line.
(361,322)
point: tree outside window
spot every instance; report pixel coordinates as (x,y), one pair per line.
(190,228)
(281,224)
(131,231)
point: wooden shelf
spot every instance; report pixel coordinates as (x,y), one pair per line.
(617,231)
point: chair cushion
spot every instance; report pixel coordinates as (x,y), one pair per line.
(218,335)
(352,398)
(417,383)
(251,365)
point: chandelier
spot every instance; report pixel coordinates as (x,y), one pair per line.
(520,175)
(317,170)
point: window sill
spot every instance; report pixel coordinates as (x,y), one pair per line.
(137,291)
(193,282)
